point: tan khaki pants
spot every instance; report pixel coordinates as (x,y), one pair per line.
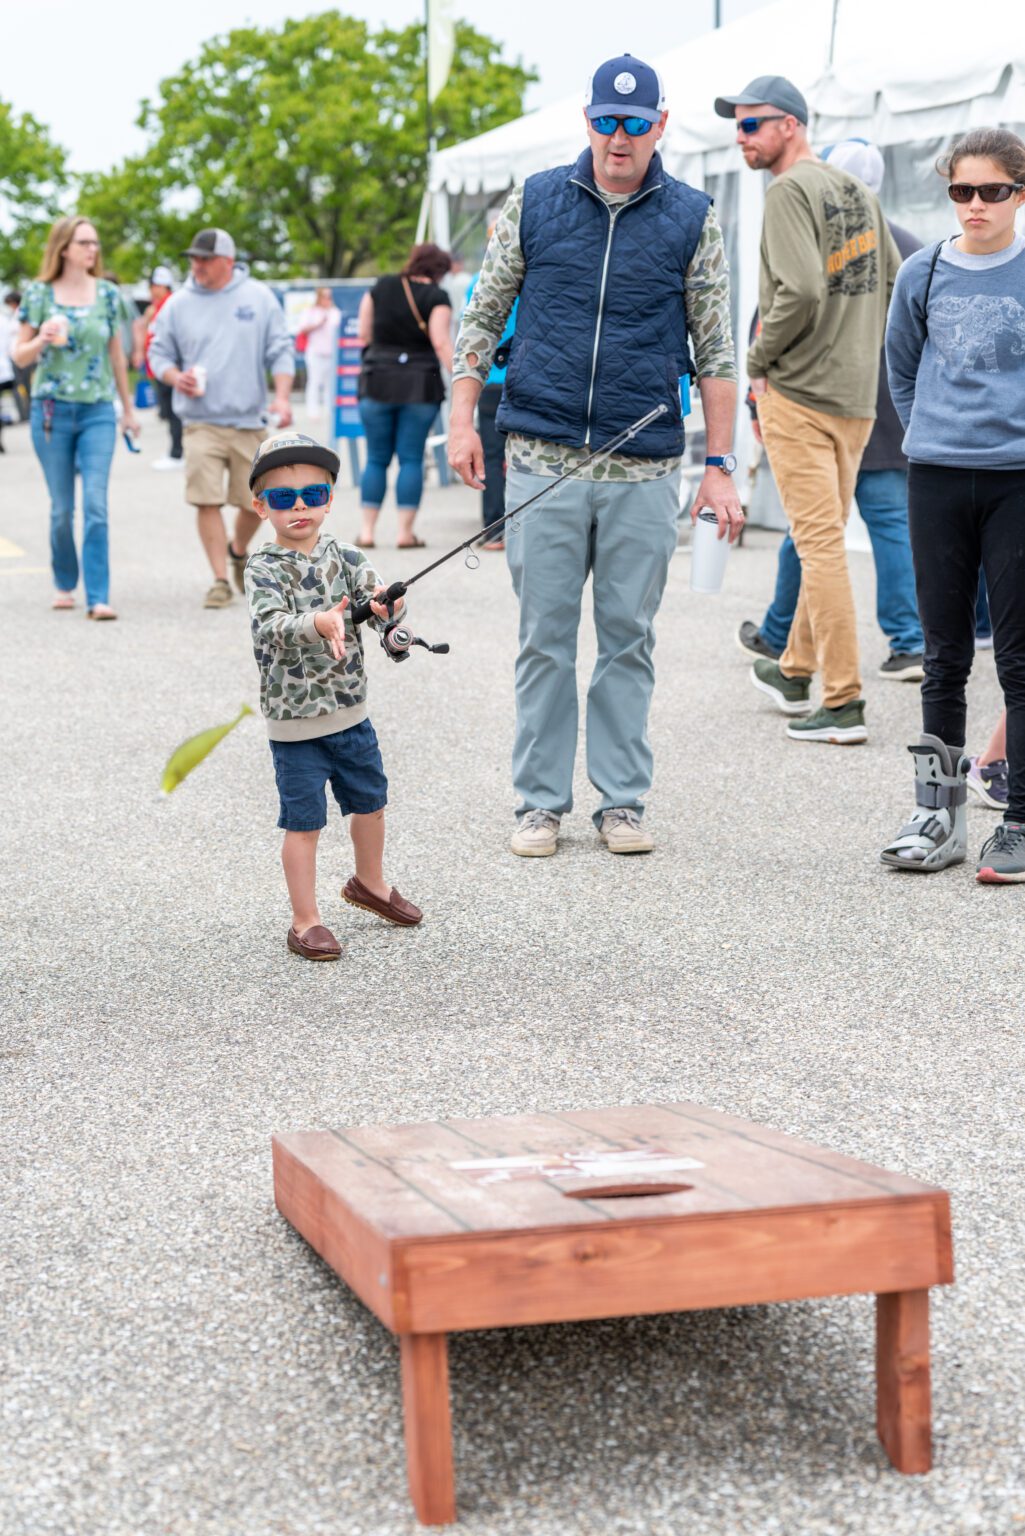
(814,459)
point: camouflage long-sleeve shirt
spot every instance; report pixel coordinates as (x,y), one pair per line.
(707,302)
(304,691)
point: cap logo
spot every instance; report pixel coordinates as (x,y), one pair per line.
(624,84)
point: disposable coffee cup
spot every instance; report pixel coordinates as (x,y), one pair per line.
(708,554)
(61,339)
(198,371)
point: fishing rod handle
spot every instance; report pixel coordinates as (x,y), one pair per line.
(362,611)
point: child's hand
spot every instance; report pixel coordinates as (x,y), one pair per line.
(331,624)
(381,609)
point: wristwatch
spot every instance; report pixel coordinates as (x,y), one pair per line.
(725,461)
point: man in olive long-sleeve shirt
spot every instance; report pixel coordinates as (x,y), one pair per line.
(828,264)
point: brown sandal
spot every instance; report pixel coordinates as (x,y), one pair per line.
(414,543)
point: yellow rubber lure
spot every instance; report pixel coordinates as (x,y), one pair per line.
(192,752)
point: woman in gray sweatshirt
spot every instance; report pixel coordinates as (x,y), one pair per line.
(955,352)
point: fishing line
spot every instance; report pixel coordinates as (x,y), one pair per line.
(362,611)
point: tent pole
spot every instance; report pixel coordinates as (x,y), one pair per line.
(832,32)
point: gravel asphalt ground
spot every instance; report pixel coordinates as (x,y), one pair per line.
(174,1359)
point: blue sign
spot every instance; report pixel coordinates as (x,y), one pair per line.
(350,361)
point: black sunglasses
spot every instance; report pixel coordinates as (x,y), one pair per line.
(991,192)
(751,125)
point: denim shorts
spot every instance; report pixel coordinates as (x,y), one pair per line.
(350,761)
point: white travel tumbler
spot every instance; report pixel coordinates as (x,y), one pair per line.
(707,554)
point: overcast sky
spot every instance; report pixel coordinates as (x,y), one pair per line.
(82,66)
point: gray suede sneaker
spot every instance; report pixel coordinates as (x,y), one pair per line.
(622,831)
(536,836)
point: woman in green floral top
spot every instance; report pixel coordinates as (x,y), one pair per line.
(70,329)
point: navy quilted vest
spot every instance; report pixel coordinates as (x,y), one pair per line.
(601,332)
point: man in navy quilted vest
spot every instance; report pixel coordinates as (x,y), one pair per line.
(620,271)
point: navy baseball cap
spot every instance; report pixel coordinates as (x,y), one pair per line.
(774,91)
(625,87)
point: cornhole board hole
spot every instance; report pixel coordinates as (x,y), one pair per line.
(553,1218)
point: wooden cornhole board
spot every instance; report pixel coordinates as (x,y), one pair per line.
(556,1218)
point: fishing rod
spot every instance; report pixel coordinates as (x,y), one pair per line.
(397,639)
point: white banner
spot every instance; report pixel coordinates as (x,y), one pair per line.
(441,44)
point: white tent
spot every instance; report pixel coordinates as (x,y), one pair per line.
(907,74)
(901,70)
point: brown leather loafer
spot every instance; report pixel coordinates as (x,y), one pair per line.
(395,910)
(315,944)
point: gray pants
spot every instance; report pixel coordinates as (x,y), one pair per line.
(623,535)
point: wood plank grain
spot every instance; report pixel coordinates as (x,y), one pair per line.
(879,1179)
(625,1269)
(903,1390)
(353,1248)
(428,1421)
(423,1157)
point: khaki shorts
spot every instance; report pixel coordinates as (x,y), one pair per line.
(214,455)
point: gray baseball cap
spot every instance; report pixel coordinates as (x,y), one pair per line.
(212,242)
(775,90)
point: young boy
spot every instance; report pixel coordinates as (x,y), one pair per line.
(313,687)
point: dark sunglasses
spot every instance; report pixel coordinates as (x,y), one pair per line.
(992,192)
(636,127)
(282,498)
(750,125)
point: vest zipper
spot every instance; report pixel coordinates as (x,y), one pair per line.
(612,213)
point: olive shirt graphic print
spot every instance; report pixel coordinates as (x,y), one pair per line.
(853,264)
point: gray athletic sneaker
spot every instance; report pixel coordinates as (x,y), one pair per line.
(536,836)
(1002,860)
(843,726)
(789,694)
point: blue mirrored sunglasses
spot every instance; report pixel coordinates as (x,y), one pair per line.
(636,127)
(750,125)
(282,498)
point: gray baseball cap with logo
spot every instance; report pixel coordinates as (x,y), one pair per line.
(212,242)
(773,90)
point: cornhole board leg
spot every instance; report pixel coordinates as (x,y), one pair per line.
(903,1401)
(428,1422)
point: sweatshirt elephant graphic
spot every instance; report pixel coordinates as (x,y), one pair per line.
(980,331)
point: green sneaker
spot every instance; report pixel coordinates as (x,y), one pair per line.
(1002,860)
(789,694)
(843,727)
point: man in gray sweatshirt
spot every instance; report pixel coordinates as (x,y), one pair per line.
(215,341)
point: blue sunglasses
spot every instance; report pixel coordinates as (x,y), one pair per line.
(636,127)
(282,498)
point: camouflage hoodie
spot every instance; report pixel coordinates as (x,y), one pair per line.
(304,691)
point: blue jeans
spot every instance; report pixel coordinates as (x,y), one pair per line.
(882,497)
(82,439)
(390,430)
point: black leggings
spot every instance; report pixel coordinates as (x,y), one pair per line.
(959,519)
(493,443)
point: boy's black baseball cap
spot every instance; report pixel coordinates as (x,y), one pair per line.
(292,448)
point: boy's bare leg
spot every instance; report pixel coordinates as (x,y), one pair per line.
(367,833)
(246,523)
(214,540)
(996,751)
(299,861)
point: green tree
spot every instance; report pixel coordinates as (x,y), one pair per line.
(32,176)
(308,142)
